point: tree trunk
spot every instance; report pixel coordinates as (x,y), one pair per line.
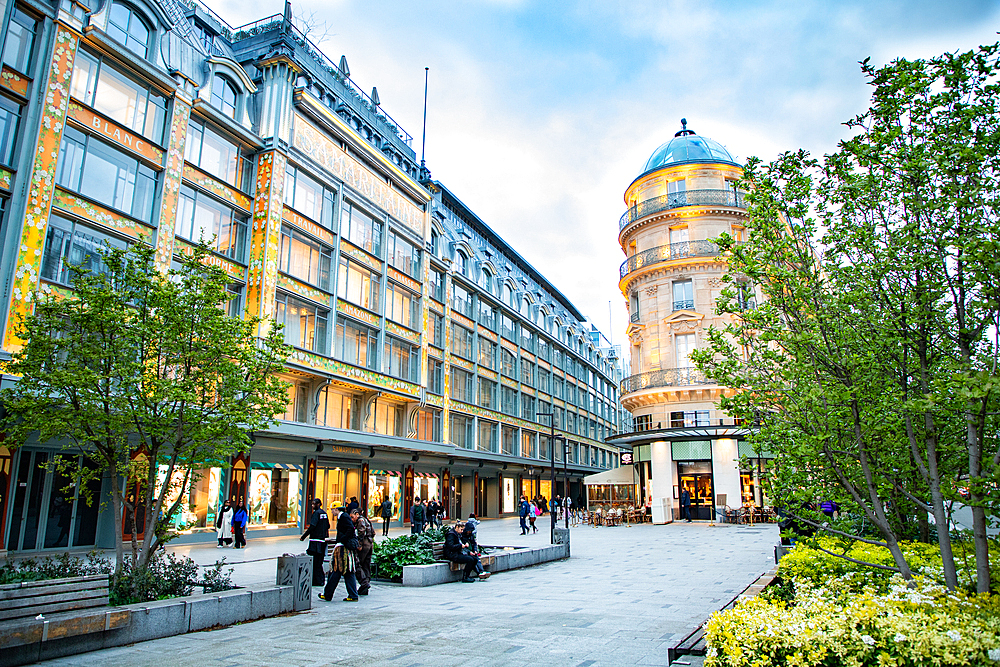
(116,506)
(976,501)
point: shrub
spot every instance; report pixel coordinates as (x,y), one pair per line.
(390,555)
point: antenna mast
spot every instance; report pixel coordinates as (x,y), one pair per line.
(423,139)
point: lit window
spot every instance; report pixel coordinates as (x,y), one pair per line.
(127,27)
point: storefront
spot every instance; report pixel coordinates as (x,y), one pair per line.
(508,494)
(384,484)
(613,488)
(274,498)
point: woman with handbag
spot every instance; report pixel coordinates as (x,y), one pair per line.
(344,561)
(224,525)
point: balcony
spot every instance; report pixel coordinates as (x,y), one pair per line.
(669,377)
(687,304)
(733,198)
(665,253)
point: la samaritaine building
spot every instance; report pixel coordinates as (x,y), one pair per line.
(685,196)
(425,347)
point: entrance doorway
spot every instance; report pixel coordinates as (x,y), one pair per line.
(696,477)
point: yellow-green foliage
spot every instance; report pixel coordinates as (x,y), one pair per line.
(907,627)
(844,613)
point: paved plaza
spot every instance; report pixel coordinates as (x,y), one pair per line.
(625,596)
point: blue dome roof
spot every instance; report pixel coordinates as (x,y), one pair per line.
(686,146)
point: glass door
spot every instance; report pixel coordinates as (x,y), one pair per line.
(700,488)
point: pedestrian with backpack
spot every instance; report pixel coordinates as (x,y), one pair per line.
(366,539)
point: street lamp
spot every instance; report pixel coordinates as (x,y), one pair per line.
(552,463)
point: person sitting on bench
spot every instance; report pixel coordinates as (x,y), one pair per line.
(453,551)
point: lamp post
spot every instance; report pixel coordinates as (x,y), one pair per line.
(565,508)
(552,463)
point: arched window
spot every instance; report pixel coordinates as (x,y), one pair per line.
(540,319)
(126,26)
(435,241)
(463,263)
(525,307)
(224,96)
(486,281)
(508,295)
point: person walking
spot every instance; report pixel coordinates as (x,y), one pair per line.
(434,513)
(522,511)
(317,531)
(416,517)
(344,561)
(366,539)
(385,510)
(239,523)
(686,505)
(533,512)
(224,525)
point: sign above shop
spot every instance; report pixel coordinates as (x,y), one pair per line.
(341,449)
(627,459)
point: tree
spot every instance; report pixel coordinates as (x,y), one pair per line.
(873,364)
(149,377)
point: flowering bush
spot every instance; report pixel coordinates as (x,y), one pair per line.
(828,611)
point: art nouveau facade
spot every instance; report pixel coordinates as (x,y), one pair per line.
(425,347)
(685,196)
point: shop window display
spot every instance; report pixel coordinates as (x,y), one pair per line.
(274,494)
(384,484)
(330,486)
(508,495)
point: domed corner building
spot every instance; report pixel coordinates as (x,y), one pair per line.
(672,275)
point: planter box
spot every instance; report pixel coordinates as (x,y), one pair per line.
(441,573)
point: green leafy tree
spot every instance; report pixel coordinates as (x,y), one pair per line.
(147,376)
(873,368)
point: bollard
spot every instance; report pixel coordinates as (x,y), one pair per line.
(296,571)
(562,537)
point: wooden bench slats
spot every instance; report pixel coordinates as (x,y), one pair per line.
(72,624)
(6,614)
(71,581)
(35,591)
(27,599)
(35,600)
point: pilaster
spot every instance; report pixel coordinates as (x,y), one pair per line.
(42,184)
(173,170)
(265,237)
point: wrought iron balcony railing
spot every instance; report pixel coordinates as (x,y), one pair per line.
(687,304)
(665,253)
(668,377)
(733,198)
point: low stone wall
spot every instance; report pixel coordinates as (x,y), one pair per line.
(154,620)
(441,573)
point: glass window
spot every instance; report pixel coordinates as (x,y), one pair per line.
(508,328)
(216,155)
(507,440)
(527,407)
(358,284)
(508,363)
(487,440)
(402,359)
(461,341)
(436,286)
(487,315)
(77,244)
(461,300)
(224,96)
(463,263)
(487,397)
(200,217)
(138,107)
(402,306)
(460,430)
(335,409)
(527,339)
(304,194)
(508,295)
(361,229)
(683,295)
(388,418)
(17,46)
(461,385)
(96,170)
(429,425)
(10,116)
(684,346)
(305,324)
(356,344)
(234,307)
(125,25)
(403,255)
(527,372)
(487,353)
(543,380)
(544,349)
(486,281)
(304,258)
(436,329)
(679,235)
(435,376)
(527,444)
(508,396)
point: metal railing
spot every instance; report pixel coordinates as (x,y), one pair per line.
(634,317)
(668,252)
(732,198)
(277,22)
(668,377)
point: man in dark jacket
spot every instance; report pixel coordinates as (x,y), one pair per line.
(453,552)
(317,531)
(343,562)
(385,511)
(416,517)
(686,505)
(366,538)
(522,511)
(434,513)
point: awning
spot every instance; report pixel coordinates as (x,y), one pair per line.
(620,475)
(385,473)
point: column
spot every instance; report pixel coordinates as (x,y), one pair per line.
(40,189)
(173,172)
(662,482)
(265,237)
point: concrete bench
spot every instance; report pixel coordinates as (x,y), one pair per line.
(503,559)
(437,548)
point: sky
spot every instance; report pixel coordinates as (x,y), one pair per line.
(540,114)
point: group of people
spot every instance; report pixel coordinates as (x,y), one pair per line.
(231,524)
(461,546)
(530,510)
(351,559)
(423,514)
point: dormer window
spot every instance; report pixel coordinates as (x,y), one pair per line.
(463,263)
(126,26)
(224,96)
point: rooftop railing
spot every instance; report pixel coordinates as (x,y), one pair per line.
(668,377)
(665,253)
(732,198)
(277,22)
